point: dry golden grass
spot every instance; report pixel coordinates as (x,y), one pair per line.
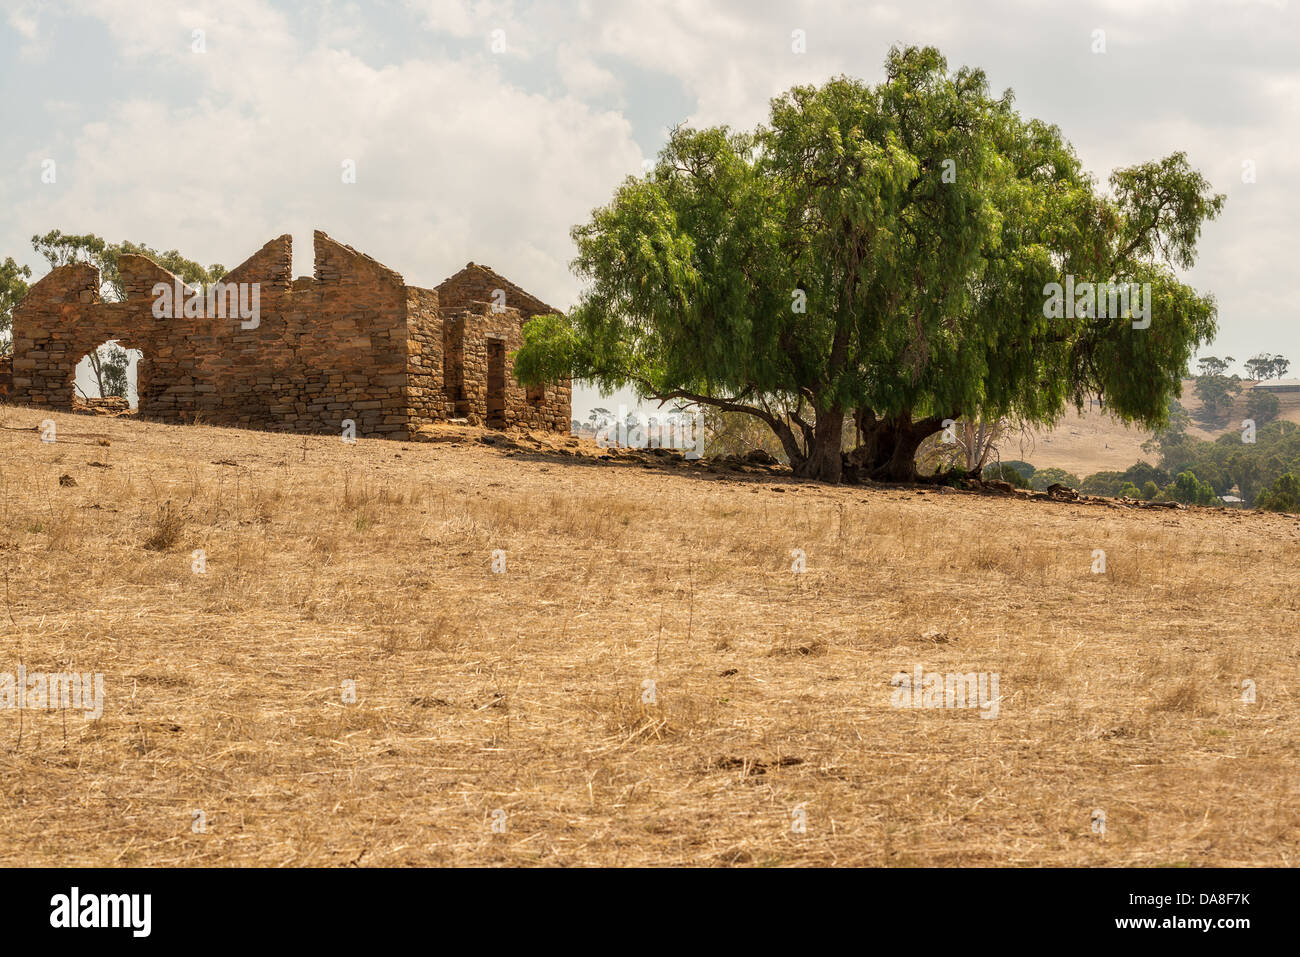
(526,691)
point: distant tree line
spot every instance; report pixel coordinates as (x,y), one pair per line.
(1218,391)
(1264,474)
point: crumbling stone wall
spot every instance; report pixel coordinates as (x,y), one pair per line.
(351,342)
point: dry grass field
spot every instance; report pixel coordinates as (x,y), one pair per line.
(522,692)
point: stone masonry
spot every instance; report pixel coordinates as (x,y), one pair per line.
(352,342)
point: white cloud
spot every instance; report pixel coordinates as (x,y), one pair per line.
(583,77)
(453,163)
(466,19)
(25,19)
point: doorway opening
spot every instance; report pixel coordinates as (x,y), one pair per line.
(496,384)
(107,379)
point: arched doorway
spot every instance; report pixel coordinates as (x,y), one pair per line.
(108,377)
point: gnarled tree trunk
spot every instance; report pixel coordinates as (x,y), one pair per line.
(887,449)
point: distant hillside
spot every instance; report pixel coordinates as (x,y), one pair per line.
(1094,442)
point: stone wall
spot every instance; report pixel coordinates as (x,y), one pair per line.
(352,342)
(468,331)
(426,398)
(469,302)
(478,283)
(325,349)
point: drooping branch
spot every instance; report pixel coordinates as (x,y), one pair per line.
(795,451)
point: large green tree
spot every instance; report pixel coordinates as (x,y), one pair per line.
(880,256)
(1262,406)
(1214,366)
(1217,394)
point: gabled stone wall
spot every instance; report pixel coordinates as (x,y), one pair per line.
(324,349)
(425,396)
(478,283)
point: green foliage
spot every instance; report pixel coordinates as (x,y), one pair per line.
(1042,478)
(1283,495)
(13,287)
(59,249)
(1252,468)
(1248,473)
(1174,429)
(1229,461)
(881,253)
(1140,480)
(188,270)
(113,363)
(1141,473)
(1024,468)
(1217,393)
(1214,367)
(1188,490)
(1006,472)
(1265,366)
(1263,407)
(1216,475)
(1103,483)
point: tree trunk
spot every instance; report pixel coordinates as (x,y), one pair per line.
(96,366)
(901,466)
(789,441)
(824,461)
(888,449)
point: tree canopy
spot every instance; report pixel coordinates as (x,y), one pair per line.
(879,255)
(59,249)
(1265,366)
(13,287)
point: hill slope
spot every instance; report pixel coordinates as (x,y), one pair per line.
(1093,441)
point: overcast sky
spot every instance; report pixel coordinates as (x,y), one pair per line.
(467,153)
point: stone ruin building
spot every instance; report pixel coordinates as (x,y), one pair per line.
(352,342)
